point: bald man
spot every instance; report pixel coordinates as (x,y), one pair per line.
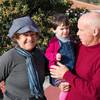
(85,82)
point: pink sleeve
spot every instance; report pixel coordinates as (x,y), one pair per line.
(50,54)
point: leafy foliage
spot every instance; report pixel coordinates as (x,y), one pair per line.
(10,9)
(74,15)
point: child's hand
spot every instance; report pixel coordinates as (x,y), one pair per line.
(58,57)
(64,86)
(2,86)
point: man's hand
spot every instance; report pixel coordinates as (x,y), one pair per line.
(58,71)
(64,86)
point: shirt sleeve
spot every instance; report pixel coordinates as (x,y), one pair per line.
(86,88)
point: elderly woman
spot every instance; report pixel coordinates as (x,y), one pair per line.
(23,67)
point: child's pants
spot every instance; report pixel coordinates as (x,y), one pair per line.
(63,95)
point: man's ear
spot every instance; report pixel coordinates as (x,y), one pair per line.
(96,32)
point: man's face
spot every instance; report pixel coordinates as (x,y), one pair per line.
(85,33)
(62,31)
(27,40)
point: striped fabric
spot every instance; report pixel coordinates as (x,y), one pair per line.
(34,84)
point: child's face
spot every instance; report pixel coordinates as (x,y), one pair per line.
(62,31)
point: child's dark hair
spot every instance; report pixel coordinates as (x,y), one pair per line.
(59,19)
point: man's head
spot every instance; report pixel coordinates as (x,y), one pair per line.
(89,28)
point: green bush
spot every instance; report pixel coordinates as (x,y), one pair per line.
(40,13)
(74,15)
(10,9)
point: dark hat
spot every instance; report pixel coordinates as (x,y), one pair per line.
(22,25)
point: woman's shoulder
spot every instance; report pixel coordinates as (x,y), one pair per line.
(10,53)
(7,57)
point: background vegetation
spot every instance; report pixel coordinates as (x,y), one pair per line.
(40,11)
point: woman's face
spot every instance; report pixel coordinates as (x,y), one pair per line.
(27,40)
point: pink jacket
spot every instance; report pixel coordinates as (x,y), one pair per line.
(52,50)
